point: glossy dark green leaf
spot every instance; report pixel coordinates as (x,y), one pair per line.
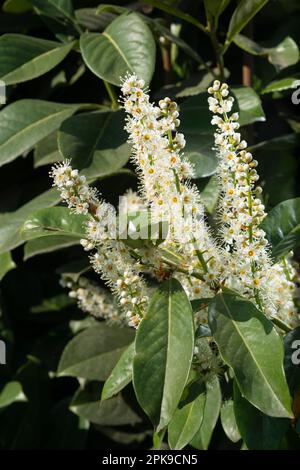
(27,122)
(39,246)
(216,7)
(10,393)
(16,6)
(54,221)
(282,227)
(250,345)
(164,349)
(187,418)
(108,8)
(211,412)
(25,57)
(123,437)
(113,412)
(244,12)
(199,151)
(249,105)
(121,374)
(210,194)
(279,154)
(93,21)
(285,54)
(46,151)
(292,359)
(6,264)
(93,353)
(95,141)
(165,5)
(11,222)
(75,269)
(53,304)
(229,422)
(281,85)
(259,432)
(195,116)
(55,8)
(126,45)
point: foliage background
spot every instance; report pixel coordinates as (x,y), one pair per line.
(44,409)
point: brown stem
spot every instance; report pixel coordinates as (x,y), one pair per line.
(248,62)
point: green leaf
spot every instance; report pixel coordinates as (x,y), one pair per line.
(126,45)
(95,140)
(54,221)
(46,151)
(27,122)
(11,393)
(259,432)
(53,304)
(6,264)
(292,359)
(249,105)
(75,269)
(216,7)
(195,116)
(199,151)
(229,422)
(112,412)
(279,154)
(11,222)
(188,417)
(107,8)
(281,84)
(39,246)
(210,194)
(16,6)
(25,57)
(121,374)
(211,412)
(244,12)
(93,353)
(164,350)
(55,8)
(92,21)
(282,227)
(250,345)
(285,54)
(164,5)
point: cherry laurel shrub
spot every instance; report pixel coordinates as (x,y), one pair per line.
(203,298)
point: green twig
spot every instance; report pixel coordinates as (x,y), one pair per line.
(112,95)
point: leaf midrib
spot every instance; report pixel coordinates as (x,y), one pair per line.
(28,128)
(118,49)
(250,352)
(34,59)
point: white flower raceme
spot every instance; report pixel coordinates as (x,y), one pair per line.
(112,259)
(94,300)
(165,187)
(241,212)
(238,258)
